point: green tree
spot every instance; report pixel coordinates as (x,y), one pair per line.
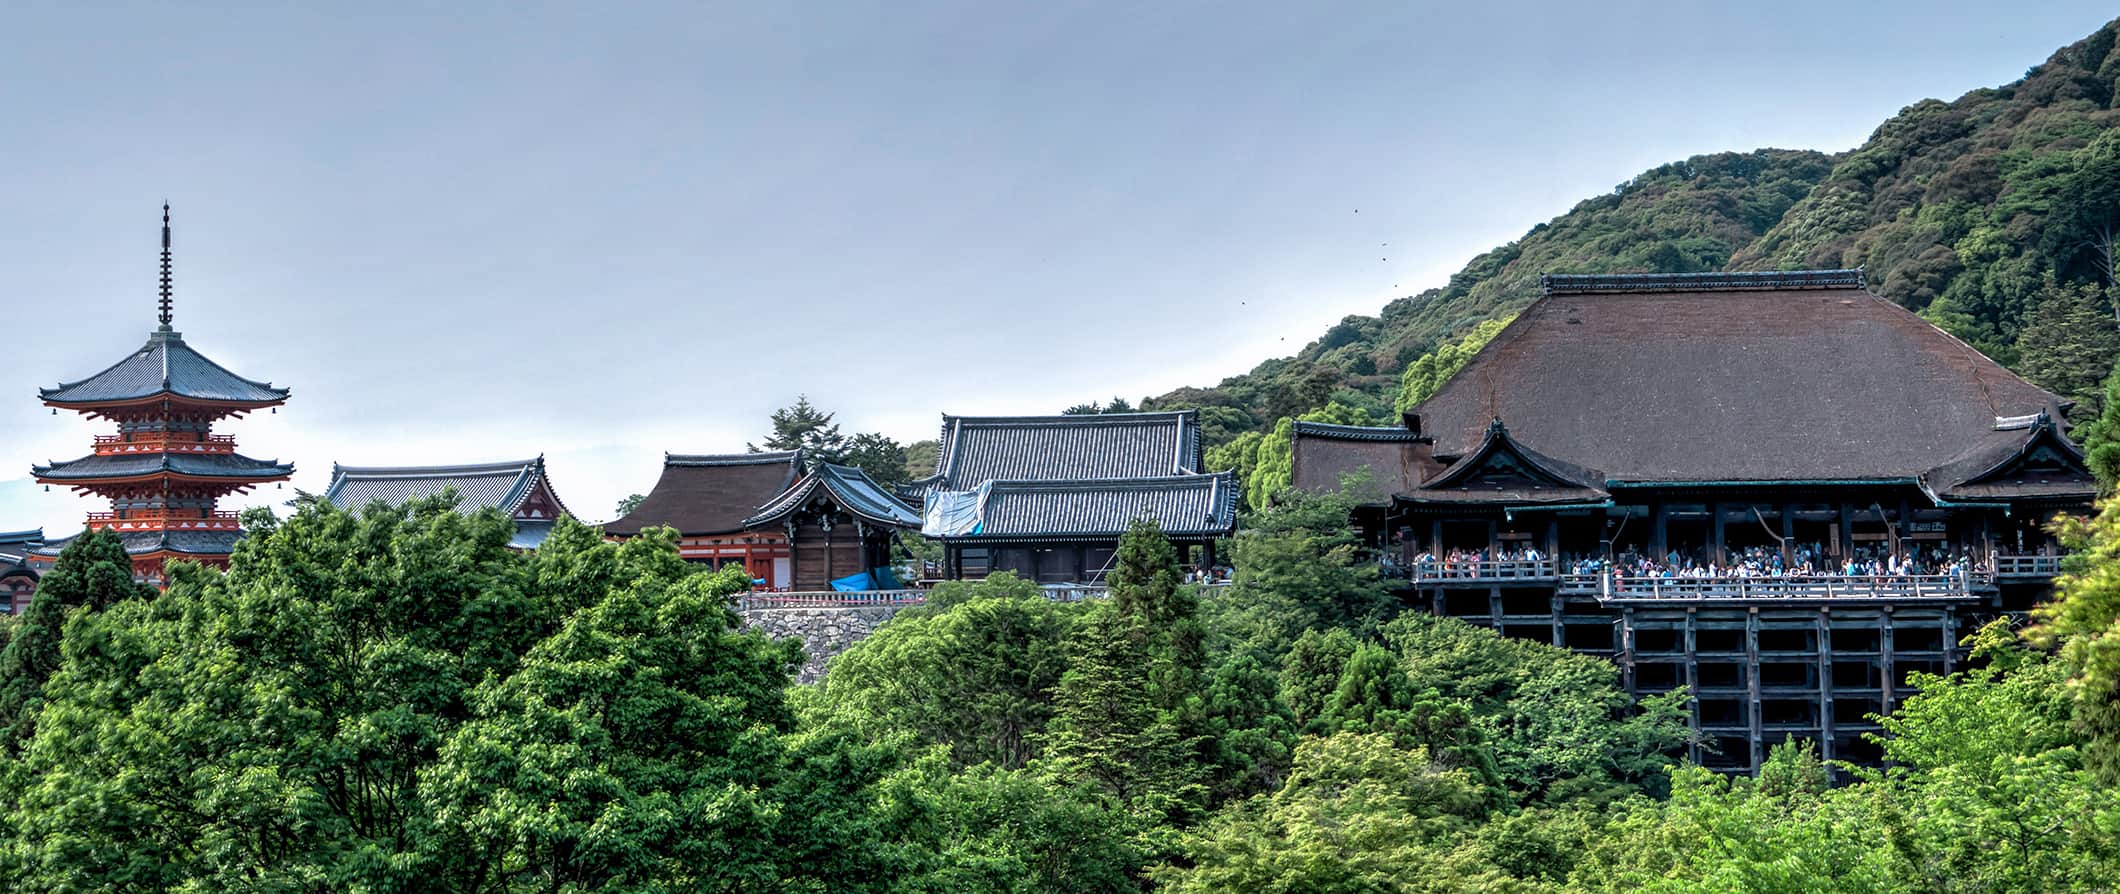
(92,573)
(628,503)
(2083,619)
(987,829)
(920,457)
(802,426)
(1358,814)
(976,671)
(2069,346)
(883,459)
(1106,728)
(1426,374)
(2100,437)
(1298,565)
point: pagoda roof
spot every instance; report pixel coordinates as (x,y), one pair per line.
(165,366)
(848,486)
(184,543)
(1747,377)
(196,465)
(977,449)
(505,486)
(711,494)
(1183,505)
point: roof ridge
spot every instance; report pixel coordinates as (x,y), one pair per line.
(1174,416)
(418,471)
(1736,280)
(730,459)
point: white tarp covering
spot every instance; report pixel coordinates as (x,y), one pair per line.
(954,513)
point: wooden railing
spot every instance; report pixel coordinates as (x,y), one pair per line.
(888,598)
(1440,570)
(2026,565)
(165,519)
(1913,586)
(164,442)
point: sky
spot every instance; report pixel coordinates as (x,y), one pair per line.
(599,232)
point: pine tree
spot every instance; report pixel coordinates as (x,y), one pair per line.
(804,427)
(1106,729)
(1145,588)
(2068,346)
(2100,437)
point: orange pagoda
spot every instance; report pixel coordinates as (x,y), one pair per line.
(164,470)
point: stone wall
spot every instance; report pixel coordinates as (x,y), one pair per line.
(824,632)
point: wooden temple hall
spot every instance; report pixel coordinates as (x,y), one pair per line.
(1777,491)
(1048,497)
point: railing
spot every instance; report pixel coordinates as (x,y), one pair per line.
(1918,586)
(891,598)
(158,520)
(163,442)
(2026,565)
(1441,570)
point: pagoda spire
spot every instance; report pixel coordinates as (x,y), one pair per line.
(166,302)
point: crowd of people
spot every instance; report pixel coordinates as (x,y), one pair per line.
(1801,561)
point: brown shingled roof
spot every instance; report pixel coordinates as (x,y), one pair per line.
(1709,383)
(711,494)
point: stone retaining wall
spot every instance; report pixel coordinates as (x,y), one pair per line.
(824,632)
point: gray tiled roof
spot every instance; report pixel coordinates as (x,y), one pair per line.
(197,543)
(852,488)
(165,365)
(1185,506)
(978,449)
(203,465)
(502,486)
(1355,432)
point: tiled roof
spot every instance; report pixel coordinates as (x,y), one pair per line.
(165,365)
(1716,378)
(502,486)
(850,487)
(711,494)
(1329,431)
(1594,283)
(196,543)
(200,465)
(2033,461)
(978,449)
(1185,506)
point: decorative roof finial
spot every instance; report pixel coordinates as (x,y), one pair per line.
(165,268)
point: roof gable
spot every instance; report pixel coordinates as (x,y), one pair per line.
(1501,469)
(849,487)
(2025,458)
(1730,377)
(977,449)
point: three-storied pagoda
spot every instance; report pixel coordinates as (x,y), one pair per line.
(164,470)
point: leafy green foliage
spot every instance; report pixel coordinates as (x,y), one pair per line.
(628,503)
(1426,374)
(91,574)
(2069,345)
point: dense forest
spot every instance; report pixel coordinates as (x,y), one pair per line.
(1992,215)
(395,701)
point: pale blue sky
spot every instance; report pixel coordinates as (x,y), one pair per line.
(602,231)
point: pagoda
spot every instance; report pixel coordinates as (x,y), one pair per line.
(164,470)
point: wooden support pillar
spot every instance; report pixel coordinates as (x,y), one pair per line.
(1846,546)
(1553,539)
(1494,606)
(1435,536)
(1888,675)
(829,574)
(1207,552)
(1788,533)
(1560,630)
(1950,639)
(1626,649)
(1692,686)
(952,560)
(1659,525)
(1081,563)
(1494,534)
(1435,597)
(1717,551)
(1758,733)
(1899,526)
(1825,683)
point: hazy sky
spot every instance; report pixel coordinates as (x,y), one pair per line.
(605,230)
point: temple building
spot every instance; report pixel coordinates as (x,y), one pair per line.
(1777,491)
(1048,497)
(789,527)
(164,470)
(519,489)
(18,579)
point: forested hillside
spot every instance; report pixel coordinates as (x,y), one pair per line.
(1990,215)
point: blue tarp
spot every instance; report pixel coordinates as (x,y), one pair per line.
(853,583)
(954,513)
(886,579)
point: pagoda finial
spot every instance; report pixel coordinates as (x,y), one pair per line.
(165,268)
